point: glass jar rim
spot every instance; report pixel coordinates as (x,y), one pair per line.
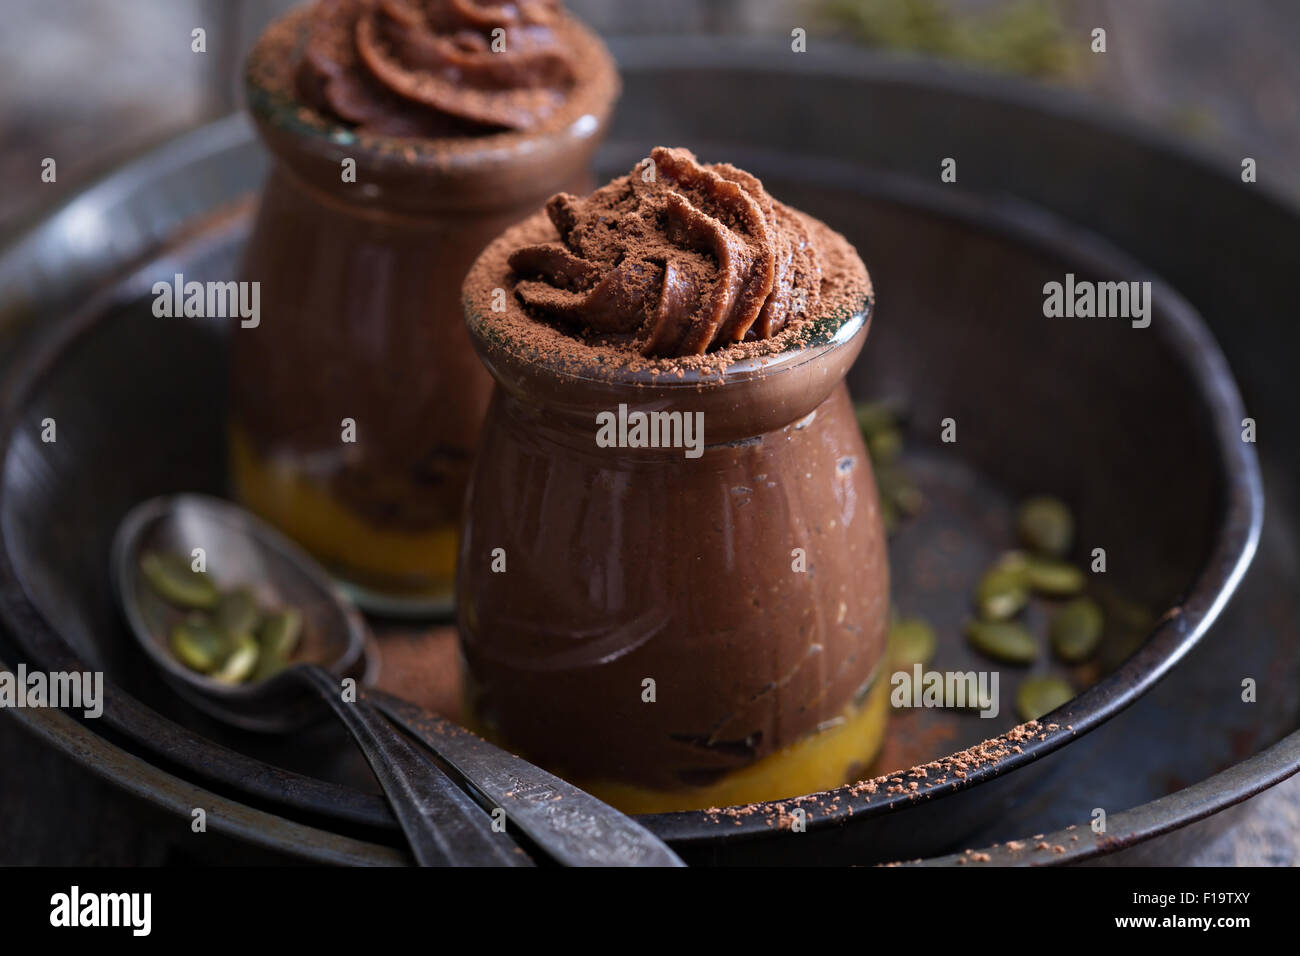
(831,331)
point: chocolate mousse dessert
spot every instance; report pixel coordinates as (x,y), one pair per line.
(673,584)
(405,135)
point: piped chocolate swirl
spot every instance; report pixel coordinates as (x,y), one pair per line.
(435,68)
(678,257)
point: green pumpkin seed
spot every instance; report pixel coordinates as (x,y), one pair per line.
(911,641)
(888,515)
(1076,630)
(240,662)
(1045,525)
(1003,592)
(874,417)
(172,577)
(885,446)
(898,490)
(278,638)
(1037,696)
(199,644)
(237,612)
(1052,577)
(1004,641)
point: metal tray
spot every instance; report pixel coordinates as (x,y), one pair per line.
(890,218)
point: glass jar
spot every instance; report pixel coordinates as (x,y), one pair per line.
(675,630)
(357,398)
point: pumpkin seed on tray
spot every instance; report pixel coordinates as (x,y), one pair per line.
(875,416)
(911,641)
(1045,526)
(1003,591)
(1076,630)
(885,446)
(880,424)
(1053,577)
(225,635)
(1005,641)
(1041,695)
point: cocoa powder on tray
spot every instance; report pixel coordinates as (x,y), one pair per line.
(935,773)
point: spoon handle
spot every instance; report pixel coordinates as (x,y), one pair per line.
(443,825)
(569,824)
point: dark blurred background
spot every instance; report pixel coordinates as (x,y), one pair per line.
(92,83)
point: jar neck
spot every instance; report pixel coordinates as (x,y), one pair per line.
(734,406)
(648,435)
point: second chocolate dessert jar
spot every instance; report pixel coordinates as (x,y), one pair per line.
(405,135)
(673,585)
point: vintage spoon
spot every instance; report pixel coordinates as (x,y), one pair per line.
(442,823)
(440,819)
(572,826)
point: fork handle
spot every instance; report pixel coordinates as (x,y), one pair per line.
(443,825)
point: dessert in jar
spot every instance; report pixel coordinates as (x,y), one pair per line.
(405,134)
(673,585)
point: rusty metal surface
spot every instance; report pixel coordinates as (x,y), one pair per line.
(1078,843)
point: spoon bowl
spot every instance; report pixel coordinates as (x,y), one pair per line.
(239,550)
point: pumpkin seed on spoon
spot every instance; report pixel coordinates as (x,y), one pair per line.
(237,612)
(174,579)
(234,644)
(277,637)
(240,662)
(199,644)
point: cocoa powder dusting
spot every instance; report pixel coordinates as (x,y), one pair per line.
(421,79)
